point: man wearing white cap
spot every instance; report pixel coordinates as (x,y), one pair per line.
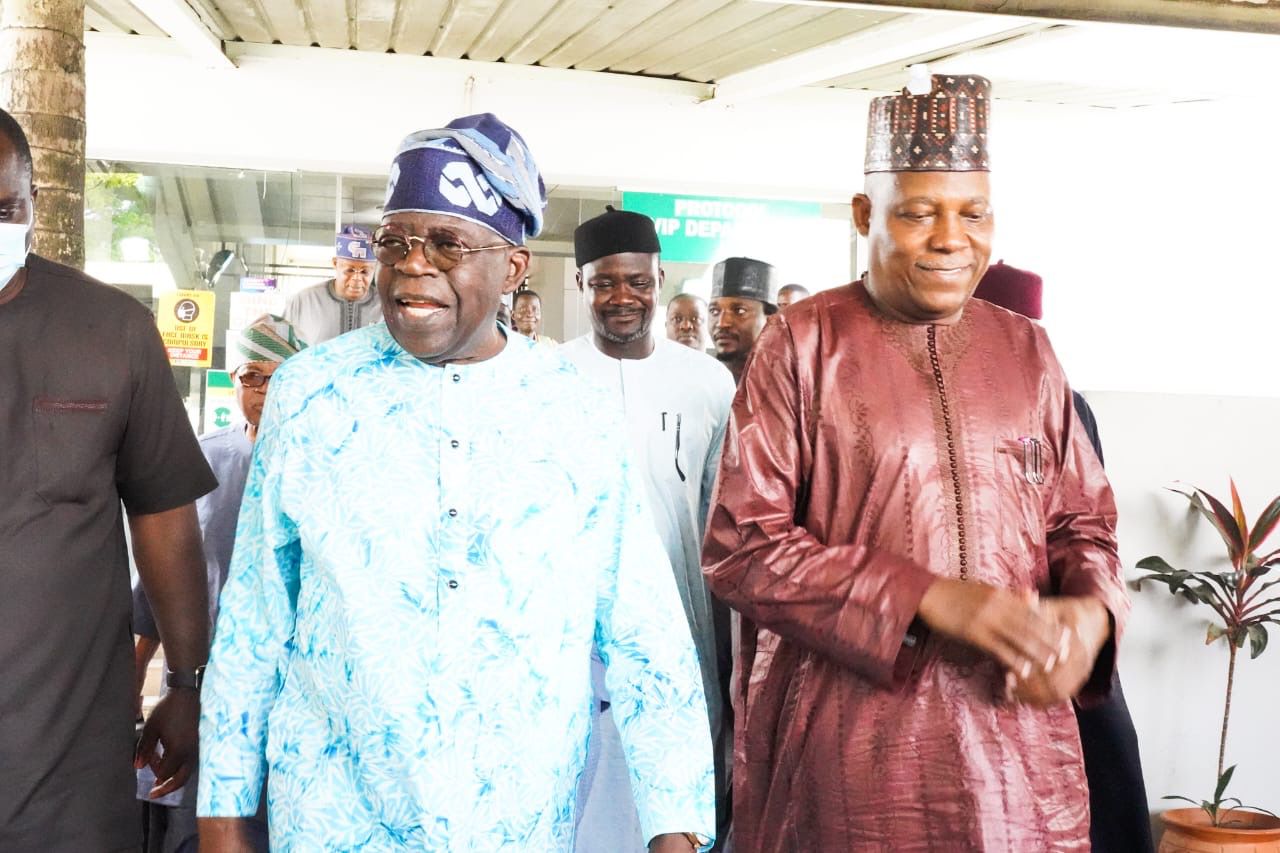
(170,823)
(343,303)
(406,633)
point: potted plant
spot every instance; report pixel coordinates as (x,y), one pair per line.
(1245,602)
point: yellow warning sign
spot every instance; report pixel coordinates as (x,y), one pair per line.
(185,318)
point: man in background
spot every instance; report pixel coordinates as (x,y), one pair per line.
(526,313)
(687,321)
(170,823)
(344,302)
(791,293)
(90,419)
(676,403)
(744,292)
(1119,820)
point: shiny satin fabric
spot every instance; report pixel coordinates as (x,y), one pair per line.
(835,508)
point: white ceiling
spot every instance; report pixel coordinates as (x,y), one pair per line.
(744,47)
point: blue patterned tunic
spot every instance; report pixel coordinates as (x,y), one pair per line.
(424,558)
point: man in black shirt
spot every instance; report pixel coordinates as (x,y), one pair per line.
(90,418)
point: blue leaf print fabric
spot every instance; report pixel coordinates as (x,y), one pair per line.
(424,558)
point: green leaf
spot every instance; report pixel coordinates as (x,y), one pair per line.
(1266,523)
(1223,781)
(1184,799)
(1215,633)
(1173,581)
(1155,564)
(1257,640)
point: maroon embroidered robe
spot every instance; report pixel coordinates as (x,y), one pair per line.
(865,457)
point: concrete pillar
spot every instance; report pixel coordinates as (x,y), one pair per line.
(42,86)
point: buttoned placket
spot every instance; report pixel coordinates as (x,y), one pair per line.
(454,486)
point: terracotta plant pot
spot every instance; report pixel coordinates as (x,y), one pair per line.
(1189,831)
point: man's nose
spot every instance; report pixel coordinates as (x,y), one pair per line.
(948,234)
(723,321)
(417,262)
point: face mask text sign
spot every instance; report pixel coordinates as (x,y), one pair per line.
(185,319)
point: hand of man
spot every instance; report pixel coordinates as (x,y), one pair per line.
(1087,626)
(1011,627)
(671,842)
(225,835)
(174,725)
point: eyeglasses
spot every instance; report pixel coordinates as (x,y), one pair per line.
(442,249)
(252,378)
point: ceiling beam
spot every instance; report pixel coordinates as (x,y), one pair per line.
(882,44)
(1233,15)
(188,29)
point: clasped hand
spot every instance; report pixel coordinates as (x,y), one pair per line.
(1047,646)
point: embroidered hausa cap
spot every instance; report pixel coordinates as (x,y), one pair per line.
(746,278)
(268,338)
(353,243)
(942,130)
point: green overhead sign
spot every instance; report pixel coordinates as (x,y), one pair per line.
(701,229)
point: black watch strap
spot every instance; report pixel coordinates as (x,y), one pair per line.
(190,679)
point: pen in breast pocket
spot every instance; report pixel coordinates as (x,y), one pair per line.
(679,418)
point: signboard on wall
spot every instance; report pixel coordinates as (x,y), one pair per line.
(185,318)
(702,229)
(219,400)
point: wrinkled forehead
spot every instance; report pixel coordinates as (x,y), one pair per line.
(623,264)
(422,223)
(727,303)
(686,305)
(942,187)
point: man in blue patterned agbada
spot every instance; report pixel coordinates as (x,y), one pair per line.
(405,636)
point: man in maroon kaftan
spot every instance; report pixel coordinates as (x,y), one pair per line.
(919,536)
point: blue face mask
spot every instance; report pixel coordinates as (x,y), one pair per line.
(13,251)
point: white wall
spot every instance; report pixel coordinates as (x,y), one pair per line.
(1173,682)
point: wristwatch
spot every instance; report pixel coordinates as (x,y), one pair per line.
(191,679)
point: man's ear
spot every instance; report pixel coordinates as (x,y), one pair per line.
(662,279)
(862,213)
(578,278)
(517,268)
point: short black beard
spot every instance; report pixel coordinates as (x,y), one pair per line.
(642,332)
